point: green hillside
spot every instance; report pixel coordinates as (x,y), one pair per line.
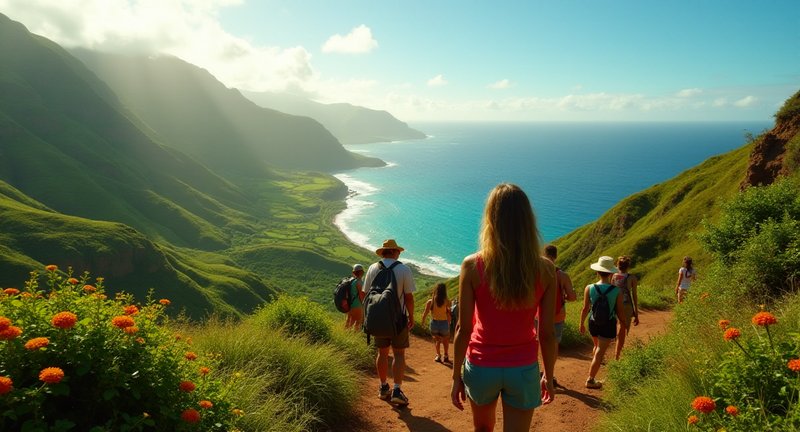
(190,110)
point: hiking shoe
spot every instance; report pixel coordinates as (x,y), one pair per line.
(592,384)
(438,358)
(398,397)
(385,392)
(555,382)
(447,359)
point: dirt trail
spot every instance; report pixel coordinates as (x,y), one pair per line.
(427,385)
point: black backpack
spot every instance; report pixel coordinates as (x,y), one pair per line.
(342,297)
(383,315)
(601,309)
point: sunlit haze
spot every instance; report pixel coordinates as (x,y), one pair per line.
(455,60)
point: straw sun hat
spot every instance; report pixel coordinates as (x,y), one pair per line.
(604,264)
(388,244)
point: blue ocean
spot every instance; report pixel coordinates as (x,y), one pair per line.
(431,194)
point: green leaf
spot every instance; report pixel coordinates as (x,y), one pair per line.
(62,425)
(110,394)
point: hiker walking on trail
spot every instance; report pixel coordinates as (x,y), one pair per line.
(355,316)
(439,308)
(389,306)
(564,293)
(628,285)
(501,289)
(686,275)
(603,304)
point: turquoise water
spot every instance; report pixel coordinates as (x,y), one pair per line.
(431,194)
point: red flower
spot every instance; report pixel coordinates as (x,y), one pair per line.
(131,310)
(122,321)
(11,291)
(130,330)
(72,281)
(732,333)
(732,410)
(204,371)
(190,415)
(693,419)
(764,319)
(704,404)
(190,356)
(794,365)
(11,332)
(205,404)
(51,375)
(4,323)
(51,267)
(89,288)
(187,386)
(724,324)
(64,320)
(165,302)
(6,385)
(37,343)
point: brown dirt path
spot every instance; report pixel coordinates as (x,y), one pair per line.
(427,385)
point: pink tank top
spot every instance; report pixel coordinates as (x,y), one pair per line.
(502,338)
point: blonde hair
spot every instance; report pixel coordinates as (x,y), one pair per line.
(510,245)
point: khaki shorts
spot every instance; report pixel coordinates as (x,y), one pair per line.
(398,342)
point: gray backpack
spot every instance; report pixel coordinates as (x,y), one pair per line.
(383,315)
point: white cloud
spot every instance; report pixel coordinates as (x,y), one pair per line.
(686,93)
(719,102)
(745,102)
(358,41)
(437,81)
(500,85)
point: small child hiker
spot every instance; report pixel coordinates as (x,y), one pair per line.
(439,308)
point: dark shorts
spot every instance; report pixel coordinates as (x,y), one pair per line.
(608,331)
(400,341)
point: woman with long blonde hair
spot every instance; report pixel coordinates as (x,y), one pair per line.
(503,288)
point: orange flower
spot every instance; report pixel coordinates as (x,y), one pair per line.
(131,310)
(11,332)
(4,323)
(100,296)
(187,386)
(764,319)
(37,343)
(11,291)
(732,410)
(51,267)
(693,419)
(724,324)
(794,365)
(732,333)
(89,288)
(705,296)
(204,371)
(64,320)
(72,281)
(205,404)
(140,340)
(131,330)
(190,415)
(165,302)
(123,321)
(704,404)
(51,375)
(190,356)
(237,412)
(6,385)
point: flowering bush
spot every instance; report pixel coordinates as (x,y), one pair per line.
(757,383)
(72,359)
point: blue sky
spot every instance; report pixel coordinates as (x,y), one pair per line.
(467,60)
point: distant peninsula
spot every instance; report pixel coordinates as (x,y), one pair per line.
(351,124)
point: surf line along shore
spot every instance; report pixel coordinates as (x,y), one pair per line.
(427,385)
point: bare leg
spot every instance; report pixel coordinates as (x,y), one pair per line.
(483,416)
(382,363)
(399,365)
(620,341)
(446,342)
(515,419)
(597,360)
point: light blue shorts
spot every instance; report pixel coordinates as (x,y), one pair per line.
(519,386)
(559,331)
(440,328)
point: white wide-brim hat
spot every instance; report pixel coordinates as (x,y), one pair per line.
(604,264)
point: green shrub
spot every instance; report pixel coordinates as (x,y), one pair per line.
(74,360)
(640,363)
(297,316)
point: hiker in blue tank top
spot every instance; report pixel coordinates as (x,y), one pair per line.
(602,323)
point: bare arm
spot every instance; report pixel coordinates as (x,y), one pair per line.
(410,308)
(547,337)
(566,283)
(680,278)
(467,283)
(634,281)
(427,310)
(620,311)
(587,304)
